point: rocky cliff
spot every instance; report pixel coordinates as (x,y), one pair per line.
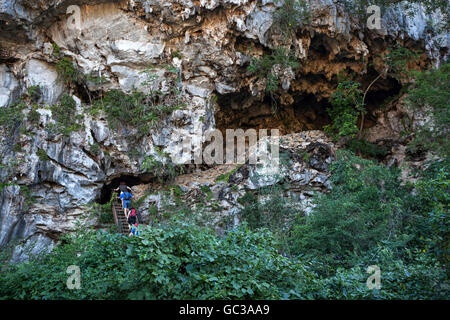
(202,48)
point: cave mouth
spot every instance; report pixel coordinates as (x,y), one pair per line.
(299,111)
(130,180)
(242,111)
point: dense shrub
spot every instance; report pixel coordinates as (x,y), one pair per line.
(290,15)
(366,148)
(419,278)
(269,208)
(263,67)
(177,261)
(434,196)
(347,103)
(143,109)
(65,115)
(368,218)
(430,94)
(366,205)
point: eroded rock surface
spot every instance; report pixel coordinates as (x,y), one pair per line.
(209,44)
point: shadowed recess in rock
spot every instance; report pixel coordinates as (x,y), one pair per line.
(130,181)
(241,110)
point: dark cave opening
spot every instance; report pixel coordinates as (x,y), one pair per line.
(312,113)
(386,89)
(304,111)
(380,94)
(242,111)
(130,180)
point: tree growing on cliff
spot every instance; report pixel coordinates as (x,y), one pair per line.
(347,103)
(290,15)
(429,94)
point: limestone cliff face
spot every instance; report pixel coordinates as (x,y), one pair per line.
(210,44)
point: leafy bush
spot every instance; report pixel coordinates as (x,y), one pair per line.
(161,166)
(34,116)
(397,60)
(226,176)
(42,155)
(34,93)
(365,206)
(365,148)
(176,261)
(200,265)
(104,211)
(56,50)
(270,209)
(64,113)
(67,70)
(434,196)
(142,110)
(290,15)
(346,105)
(263,67)
(429,93)
(11,117)
(416,279)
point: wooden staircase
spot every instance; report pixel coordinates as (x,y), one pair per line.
(119,217)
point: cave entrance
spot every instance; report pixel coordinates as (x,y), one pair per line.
(296,111)
(130,180)
(242,111)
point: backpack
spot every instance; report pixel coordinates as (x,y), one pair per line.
(132,219)
(126,196)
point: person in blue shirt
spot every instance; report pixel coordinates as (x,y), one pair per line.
(126,201)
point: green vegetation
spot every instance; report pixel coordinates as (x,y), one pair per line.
(368,218)
(34,116)
(161,166)
(123,108)
(366,149)
(67,70)
(208,192)
(291,14)
(56,50)
(25,192)
(430,94)
(94,149)
(176,191)
(349,100)
(346,104)
(66,117)
(270,209)
(142,110)
(263,67)
(34,93)
(366,205)
(42,155)
(226,176)
(176,54)
(104,211)
(397,60)
(173,261)
(11,117)
(74,77)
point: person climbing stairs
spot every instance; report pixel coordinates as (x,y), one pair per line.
(120,218)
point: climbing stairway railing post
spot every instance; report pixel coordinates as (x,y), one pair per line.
(116,221)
